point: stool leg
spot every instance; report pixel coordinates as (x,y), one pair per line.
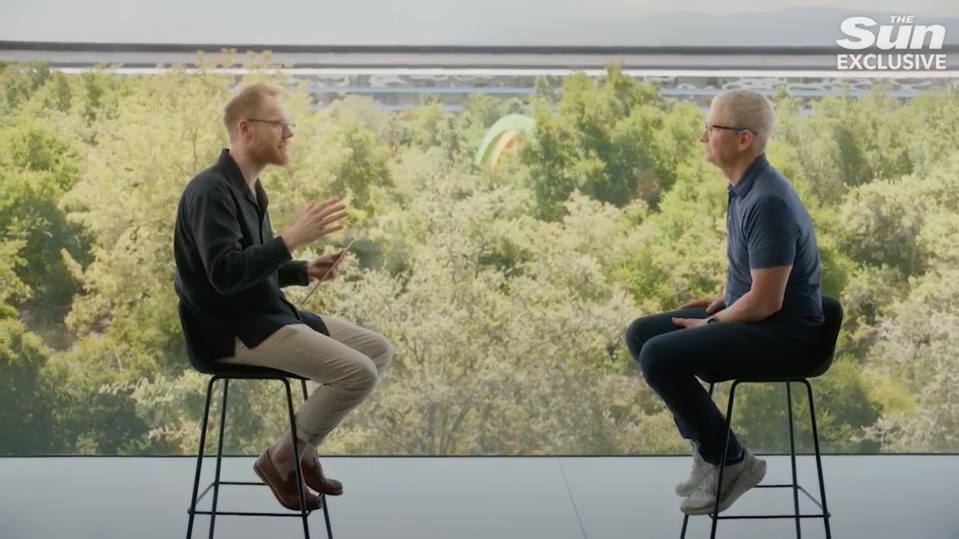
(219,457)
(815,441)
(199,458)
(722,463)
(792,456)
(682,533)
(326,517)
(326,511)
(296,459)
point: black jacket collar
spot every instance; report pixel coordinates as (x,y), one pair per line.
(231,170)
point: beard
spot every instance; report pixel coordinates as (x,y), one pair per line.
(272,154)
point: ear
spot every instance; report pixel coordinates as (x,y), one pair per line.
(243,129)
(746,138)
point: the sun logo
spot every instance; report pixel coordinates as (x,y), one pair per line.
(900,35)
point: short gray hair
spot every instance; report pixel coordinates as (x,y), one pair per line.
(748,108)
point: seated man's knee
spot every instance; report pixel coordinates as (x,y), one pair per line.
(382,354)
(653,359)
(363,375)
(637,335)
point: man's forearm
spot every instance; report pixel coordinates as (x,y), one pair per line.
(748,308)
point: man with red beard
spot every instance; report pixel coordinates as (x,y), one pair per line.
(230,269)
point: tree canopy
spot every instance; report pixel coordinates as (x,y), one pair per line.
(505,291)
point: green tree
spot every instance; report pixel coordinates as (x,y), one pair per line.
(505,292)
(26,407)
(917,348)
(613,139)
(19,81)
(40,165)
(12,290)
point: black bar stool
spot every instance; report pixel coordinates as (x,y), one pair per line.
(227,372)
(825,351)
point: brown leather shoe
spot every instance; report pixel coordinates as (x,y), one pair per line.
(284,488)
(313,474)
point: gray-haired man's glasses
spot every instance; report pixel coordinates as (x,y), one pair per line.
(710,127)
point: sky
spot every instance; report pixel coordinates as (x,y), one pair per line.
(444,22)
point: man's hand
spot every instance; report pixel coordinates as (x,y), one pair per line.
(689,322)
(325,267)
(713,305)
(315,220)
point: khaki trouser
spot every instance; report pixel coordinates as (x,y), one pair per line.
(346,366)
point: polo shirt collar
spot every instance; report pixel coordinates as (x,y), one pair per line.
(748,178)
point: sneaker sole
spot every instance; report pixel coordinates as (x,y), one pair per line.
(755,476)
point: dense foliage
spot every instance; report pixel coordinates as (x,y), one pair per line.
(505,292)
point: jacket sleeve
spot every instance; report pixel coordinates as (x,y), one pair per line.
(294,273)
(216,228)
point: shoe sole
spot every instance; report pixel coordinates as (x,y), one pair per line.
(325,492)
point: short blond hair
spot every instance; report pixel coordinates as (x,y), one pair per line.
(750,109)
(246,102)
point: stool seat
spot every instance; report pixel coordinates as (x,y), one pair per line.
(246,372)
(216,367)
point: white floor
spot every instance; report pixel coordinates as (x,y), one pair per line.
(472,497)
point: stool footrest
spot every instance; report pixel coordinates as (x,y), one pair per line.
(221,483)
(797,487)
(763,517)
(241,483)
(249,514)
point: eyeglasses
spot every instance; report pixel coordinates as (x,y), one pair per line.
(279,125)
(710,127)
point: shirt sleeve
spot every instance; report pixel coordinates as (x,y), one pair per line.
(216,229)
(771,234)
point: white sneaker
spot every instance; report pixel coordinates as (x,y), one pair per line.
(737,479)
(699,472)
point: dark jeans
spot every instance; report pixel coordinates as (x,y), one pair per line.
(672,357)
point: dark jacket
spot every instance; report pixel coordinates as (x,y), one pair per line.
(229,266)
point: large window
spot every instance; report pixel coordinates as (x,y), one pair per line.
(510,223)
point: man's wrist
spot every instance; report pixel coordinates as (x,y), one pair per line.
(288,241)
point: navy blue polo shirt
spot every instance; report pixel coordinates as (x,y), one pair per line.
(767,225)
